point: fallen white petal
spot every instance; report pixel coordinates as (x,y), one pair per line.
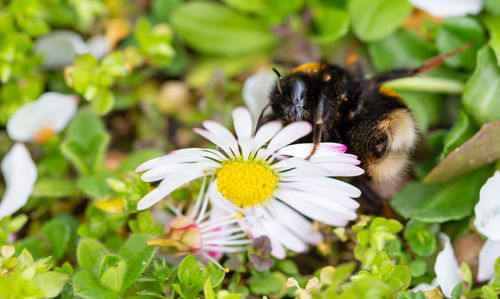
(19,172)
(446,267)
(487,258)
(256,92)
(51,110)
(487,210)
(59,48)
(449,8)
(98,46)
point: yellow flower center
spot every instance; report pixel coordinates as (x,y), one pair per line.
(43,135)
(246,183)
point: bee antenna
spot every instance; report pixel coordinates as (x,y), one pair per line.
(277,72)
(279,79)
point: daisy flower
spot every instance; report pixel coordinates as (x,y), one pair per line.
(207,234)
(262,176)
(37,121)
(19,172)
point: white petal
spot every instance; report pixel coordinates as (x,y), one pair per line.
(289,134)
(449,8)
(166,187)
(342,170)
(174,169)
(59,48)
(242,122)
(221,131)
(265,133)
(217,140)
(487,258)
(305,205)
(98,46)
(298,166)
(337,195)
(446,267)
(256,230)
(487,209)
(183,155)
(331,184)
(52,110)
(20,174)
(216,199)
(276,230)
(295,222)
(302,150)
(256,92)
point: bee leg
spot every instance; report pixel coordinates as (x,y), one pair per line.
(426,66)
(318,126)
(261,116)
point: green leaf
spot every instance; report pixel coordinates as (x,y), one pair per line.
(138,157)
(84,126)
(462,130)
(137,255)
(426,108)
(481,97)
(263,284)
(50,283)
(214,273)
(95,186)
(480,150)
(58,232)
(400,278)
(208,291)
(403,49)
(114,276)
(89,252)
(190,275)
(75,153)
(87,286)
(103,102)
(421,241)
(439,202)
(212,28)
(373,20)
(457,291)
(330,24)
(418,267)
(454,33)
(86,142)
(493,6)
(489,292)
(493,25)
(86,61)
(55,187)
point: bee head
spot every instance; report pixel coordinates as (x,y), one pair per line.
(386,144)
(288,98)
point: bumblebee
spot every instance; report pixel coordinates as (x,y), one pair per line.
(370,119)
